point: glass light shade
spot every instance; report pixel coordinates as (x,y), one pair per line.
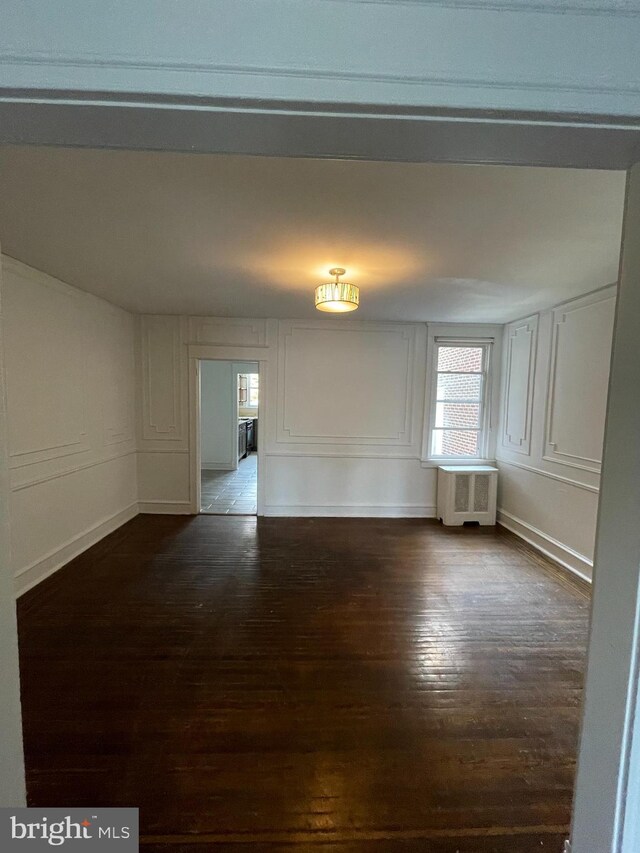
(337,297)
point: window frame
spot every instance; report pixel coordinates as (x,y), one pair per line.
(246,403)
(249,404)
(484,420)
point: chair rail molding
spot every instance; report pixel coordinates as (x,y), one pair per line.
(588,487)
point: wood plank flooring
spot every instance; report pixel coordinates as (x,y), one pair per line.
(272,685)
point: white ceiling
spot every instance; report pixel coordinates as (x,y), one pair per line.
(251,236)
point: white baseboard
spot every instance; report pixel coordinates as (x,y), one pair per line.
(29,576)
(217,466)
(165,507)
(576,563)
(351,511)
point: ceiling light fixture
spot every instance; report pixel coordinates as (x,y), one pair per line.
(337,296)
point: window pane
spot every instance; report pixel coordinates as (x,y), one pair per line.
(460,415)
(455,442)
(463,386)
(253,389)
(461,359)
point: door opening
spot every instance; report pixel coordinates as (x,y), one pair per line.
(229,417)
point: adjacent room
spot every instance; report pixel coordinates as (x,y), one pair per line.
(304,467)
(229,395)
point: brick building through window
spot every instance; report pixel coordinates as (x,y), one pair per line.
(459,400)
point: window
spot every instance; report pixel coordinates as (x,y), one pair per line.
(248,390)
(458,411)
(254,381)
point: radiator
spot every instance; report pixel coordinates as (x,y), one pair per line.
(467,493)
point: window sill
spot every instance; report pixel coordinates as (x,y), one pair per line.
(457,460)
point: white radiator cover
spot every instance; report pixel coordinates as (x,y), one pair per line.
(467,493)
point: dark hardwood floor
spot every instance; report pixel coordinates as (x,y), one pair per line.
(305,684)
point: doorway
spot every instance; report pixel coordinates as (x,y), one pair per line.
(229,417)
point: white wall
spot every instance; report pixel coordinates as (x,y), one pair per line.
(556,369)
(69,363)
(162,415)
(342,412)
(344,420)
(219,412)
(343,427)
(218,416)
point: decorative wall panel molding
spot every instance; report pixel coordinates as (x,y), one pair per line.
(78,443)
(167,449)
(117,435)
(348,383)
(71,388)
(70,359)
(25,478)
(46,369)
(162,387)
(117,373)
(345,454)
(587,487)
(520,342)
(234,331)
(581,341)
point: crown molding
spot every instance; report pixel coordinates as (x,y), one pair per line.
(134,63)
(555,7)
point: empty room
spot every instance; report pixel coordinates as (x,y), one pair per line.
(304,470)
